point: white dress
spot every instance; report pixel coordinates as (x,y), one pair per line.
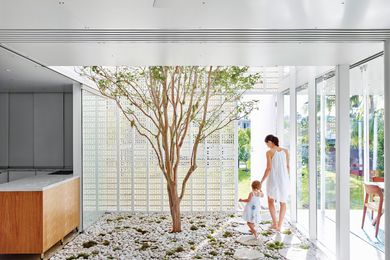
(278,183)
(252,210)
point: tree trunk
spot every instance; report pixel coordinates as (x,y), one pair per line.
(174,206)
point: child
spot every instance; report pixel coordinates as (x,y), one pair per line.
(252,208)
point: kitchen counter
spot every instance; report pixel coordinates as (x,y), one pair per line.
(36,183)
(38,212)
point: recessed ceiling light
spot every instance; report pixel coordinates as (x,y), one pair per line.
(7,70)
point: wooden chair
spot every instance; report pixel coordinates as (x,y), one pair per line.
(378,179)
(372,205)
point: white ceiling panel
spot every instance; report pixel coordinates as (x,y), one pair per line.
(173,14)
(251,54)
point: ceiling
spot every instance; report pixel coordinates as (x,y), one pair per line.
(176,14)
(249,54)
(18,74)
(195,32)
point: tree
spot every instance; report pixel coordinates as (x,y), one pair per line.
(244,137)
(171,99)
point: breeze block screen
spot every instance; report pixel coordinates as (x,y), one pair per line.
(120,170)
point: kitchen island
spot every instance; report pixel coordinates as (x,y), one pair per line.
(38,212)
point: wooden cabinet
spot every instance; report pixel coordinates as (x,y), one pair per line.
(31,222)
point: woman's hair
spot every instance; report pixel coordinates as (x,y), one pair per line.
(273,139)
(256,185)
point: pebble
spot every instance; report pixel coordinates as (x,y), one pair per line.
(146,236)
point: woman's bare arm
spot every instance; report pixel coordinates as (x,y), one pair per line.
(288,161)
(268,169)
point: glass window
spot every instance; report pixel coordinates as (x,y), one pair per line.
(367,149)
(286,120)
(302,183)
(326,159)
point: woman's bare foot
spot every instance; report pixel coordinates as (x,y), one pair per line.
(273,226)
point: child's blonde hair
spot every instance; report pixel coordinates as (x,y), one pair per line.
(256,185)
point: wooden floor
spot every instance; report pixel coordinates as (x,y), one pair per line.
(48,254)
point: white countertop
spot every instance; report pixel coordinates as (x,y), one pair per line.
(36,183)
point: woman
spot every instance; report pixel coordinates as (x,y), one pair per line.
(278,184)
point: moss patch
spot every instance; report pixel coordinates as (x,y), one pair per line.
(144,246)
(179,249)
(266,233)
(227,234)
(83,255)
(140,230)
(275,245)
(304,246)
(193,228)
(89,244)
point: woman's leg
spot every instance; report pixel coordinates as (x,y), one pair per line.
(271,207)
(282,212)
(252,229)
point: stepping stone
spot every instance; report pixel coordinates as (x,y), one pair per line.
(238,220)
(287,239)
(249,240)
(265,216)
(296,253)
(243,229)
(248,254)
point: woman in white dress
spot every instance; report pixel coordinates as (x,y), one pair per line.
(278,183)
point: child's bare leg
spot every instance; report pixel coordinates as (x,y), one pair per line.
(252,229)
(271,206)
(282,212)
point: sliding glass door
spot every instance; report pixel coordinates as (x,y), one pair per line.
(302,166)
(367,154)
(326,159)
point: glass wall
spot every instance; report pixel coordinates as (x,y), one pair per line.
(286,129)
(286,120)
(302,183)
(366,155)
(326,159)
(367,149)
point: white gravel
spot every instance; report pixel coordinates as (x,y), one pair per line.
(204,236)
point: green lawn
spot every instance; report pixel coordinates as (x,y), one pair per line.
(356,189)
(244,183)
